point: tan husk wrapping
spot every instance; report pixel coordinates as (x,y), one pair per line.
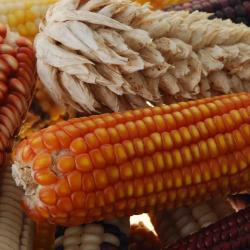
(118,55)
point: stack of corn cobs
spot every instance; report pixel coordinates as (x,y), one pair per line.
(154,118)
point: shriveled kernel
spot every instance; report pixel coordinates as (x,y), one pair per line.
(100,178)
(108,153)
(45,177)
(75,180)
(126,171)
(120,153)
(83,163)
(65,163)
(78,146)
(48,196)
(97,158)
(42,161)
(88,183)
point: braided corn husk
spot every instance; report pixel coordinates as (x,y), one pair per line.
(118,55)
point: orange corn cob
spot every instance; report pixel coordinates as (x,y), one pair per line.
(17,82)
(114,165)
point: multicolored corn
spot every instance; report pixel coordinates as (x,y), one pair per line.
(178,223)
(237,10)
(233,232)
(161,3)
(115,165)
(17,82)
(24,16)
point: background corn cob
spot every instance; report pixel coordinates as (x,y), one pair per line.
(98,161)
(16,231)
(103,236)
(238,11)
(179,223)
(23,16)
(17,82)
(161,3)
(229,233)
(142,55)
(142,238)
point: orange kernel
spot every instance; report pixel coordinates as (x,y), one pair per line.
(62,188)
(91,140)
(50,141)
(100,178)
(78,199)
(97,158)
(48,196)
(78,146)
(42,161)
(45,177)
(75,180)
(83,163)
(65,204)
(66,163)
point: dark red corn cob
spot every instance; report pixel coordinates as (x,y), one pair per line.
(237,10)
(17,82)
(233,232)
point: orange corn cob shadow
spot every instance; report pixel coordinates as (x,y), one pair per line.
(114,165)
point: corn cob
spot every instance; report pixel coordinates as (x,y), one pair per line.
(103,236)
(86,169)
(17,82)
(16,231)
(237,11)
(142,238)
(176,224)
(229,233)
(23,16)
(158,4)
(140,56)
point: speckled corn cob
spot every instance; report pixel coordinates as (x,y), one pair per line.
(17,82)
(114,165)
(102,236)
(176,224)
(23,16)
(233,232)
(237,10)
(142,238)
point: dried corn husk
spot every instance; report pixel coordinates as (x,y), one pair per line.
(115,54)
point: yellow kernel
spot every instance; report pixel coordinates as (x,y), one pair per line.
(185,135)
(129,147)
(167,141)
(158,162)
(148,145)
(113,174)
(177,158)
(138,168)
(148,166)
(83,163)
(120,153)
(78,146)
(186,155)
(177,176)
(22,30)
(42,161)
(126,171)
(100,178)
(139,147)
(160,123)
(97,158)
(168,160)
(176,138)
(12,21)
(65,163)
(212,147)
(122,131)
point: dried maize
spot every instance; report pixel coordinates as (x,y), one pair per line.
(103,236)
(133,55)
(113,165)
(23,16)
(233,232)
(17,82)
(237,11)
(174,225)
(16,230)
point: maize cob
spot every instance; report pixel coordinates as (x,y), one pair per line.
(23,16)
(237,11)
(115,165)
(17,82)
(142,238)
(140,56)
(174,225)
(103,236)
(233,232)
(158,4)
(16,231)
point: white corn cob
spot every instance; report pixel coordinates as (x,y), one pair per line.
(16,231)
(174,225)
(119,55)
